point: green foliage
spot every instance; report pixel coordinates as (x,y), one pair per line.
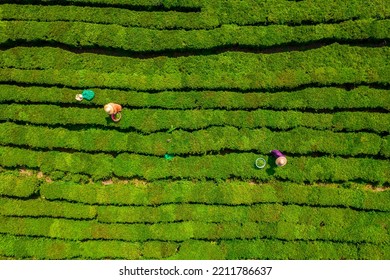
(373,252)
(159,250)
(110,15)
(95,249)
(301,222)
(141,3)
(152,120)
(21,186)
(37,248)
(139,39)
(213,13)
(179,102)
(386,146)
(362,97)
(296,250)
(197,142)
(355,228)
(22,247)
(225,193)
(98,165)
(280,11)
(40,207)
(229,70)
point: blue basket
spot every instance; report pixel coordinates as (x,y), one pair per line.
(169,156)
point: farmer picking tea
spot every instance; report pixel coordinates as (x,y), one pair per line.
(114,110)
(281,160)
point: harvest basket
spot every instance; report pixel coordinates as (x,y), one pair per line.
(260,163)
(116,117)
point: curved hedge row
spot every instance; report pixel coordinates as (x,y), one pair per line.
(97,165)
(334,64)
(299,169)
(298,141)
(362,97)
(273,11)
(288,12)
(43,208)
(165,3)
(125,3)
(268,213)
(154,120)
(222,193)
(135,39)
(21,247)
(302,169)
(386,146)
(110,15)
(279,250)
(20,186)
(334,55)
(356,230)
(214,13)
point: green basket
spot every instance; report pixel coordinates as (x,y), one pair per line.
(260,163)
(116,117)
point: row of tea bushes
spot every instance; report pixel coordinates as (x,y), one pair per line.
(330,65)
(355,231)
(188,212)
(362,97)
(153,18)
(135,39)
(294,12)
(42,208)
(22,187)
(214,139)
(22,247)
(231,193)
(232,165)
(185,14)
(159,120)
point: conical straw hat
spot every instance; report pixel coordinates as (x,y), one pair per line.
(109,108)
(79,97)
(281,161)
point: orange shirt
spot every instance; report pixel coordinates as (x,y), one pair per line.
(112,108)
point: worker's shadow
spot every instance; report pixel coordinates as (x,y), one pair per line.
(271,166)
(109,120)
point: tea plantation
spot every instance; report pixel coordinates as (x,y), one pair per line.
(207,87)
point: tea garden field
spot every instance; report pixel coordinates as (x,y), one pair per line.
(207,87)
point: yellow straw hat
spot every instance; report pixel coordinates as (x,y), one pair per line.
(79,97)
(109,108)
